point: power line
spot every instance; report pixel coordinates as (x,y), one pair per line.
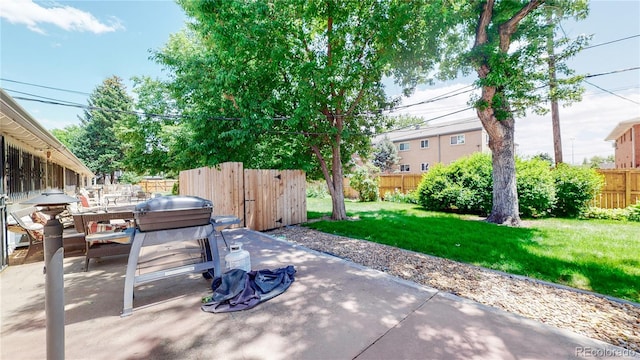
(412,127)
(608,42)
(43,97)
(612,72)
(456,92)
(44,87)
(612,93)
(434,99)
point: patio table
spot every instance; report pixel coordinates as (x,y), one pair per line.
(111,198)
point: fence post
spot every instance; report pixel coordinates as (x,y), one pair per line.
(627,190)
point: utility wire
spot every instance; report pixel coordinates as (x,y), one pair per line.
(608,42)
(449,94)
(434,99)
(44,97)
(612,72)
(612,93)
(426,101)
(44,87)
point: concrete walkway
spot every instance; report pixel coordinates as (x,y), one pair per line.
(334,310)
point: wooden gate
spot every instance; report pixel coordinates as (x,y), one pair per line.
(262,199)
(274,198)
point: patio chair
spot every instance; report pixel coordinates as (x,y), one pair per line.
(86,207)
(103,237)
(32,223)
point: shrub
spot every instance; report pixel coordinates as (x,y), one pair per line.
(175,190)
(575,187)
(591,212)
(536,190)
(317,189)
(431,187)
(399,197)
(465,185)
(630,213)
(634,212)
(364,180)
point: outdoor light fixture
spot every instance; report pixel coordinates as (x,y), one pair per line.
(53,203)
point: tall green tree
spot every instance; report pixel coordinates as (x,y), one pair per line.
(108,106)
(150,139)
(297,81)
(69,136)
(509,38)
(385,155)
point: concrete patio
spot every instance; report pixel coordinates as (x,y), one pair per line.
(333,310)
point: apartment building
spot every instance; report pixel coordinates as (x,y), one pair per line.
(420,147)
(625,137)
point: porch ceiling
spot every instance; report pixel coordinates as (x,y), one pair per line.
(24,131)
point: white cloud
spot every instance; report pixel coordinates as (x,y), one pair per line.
(583,125)
(33,15)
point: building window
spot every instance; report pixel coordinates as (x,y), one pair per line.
(403,146)
(424,144)
(404,168)
(457,139)
(424,166)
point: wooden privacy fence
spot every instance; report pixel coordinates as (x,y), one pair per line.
(157,186)
(403,182)
(388,183)
(262,199)
(621,189)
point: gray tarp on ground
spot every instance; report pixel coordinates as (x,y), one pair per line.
(240,290)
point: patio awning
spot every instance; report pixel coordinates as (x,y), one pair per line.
(21,128)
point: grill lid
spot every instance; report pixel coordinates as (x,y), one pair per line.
(172,202)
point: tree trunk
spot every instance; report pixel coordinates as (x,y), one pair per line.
(505,209)
(339,211)
(334,179)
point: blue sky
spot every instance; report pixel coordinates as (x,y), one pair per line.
(75,45)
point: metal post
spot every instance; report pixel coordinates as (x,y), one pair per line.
(53,202)
(54,285)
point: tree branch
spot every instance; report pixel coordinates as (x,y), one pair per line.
(482,36)
(509,27)
(329,48)
(325,169)
(483,23)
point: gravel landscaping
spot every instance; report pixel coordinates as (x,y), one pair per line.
(614,321)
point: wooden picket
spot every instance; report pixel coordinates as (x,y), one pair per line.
(157,186)
(388,183)
(263,199)
(621,189)
(404,183)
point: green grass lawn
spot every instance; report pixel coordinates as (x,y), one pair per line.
(596,255)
